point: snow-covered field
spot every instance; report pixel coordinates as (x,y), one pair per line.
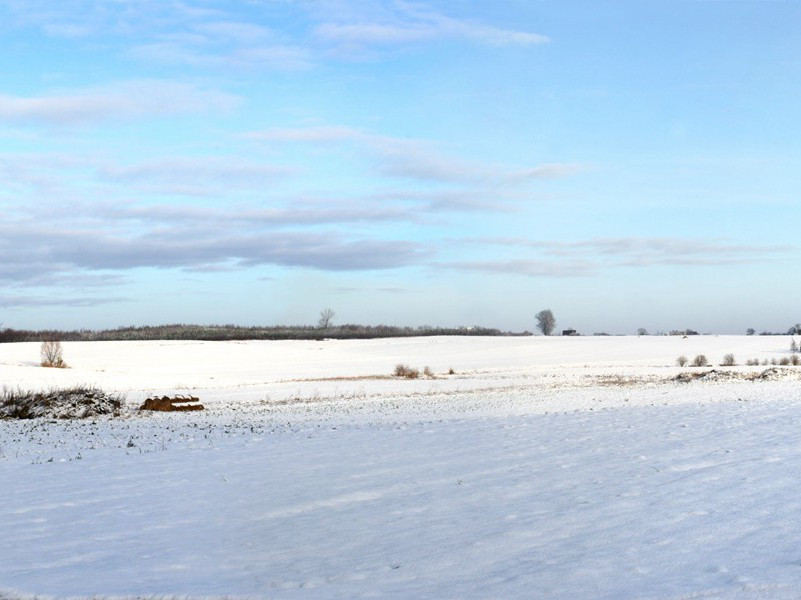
(541,468)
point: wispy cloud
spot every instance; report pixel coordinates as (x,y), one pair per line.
(645,252)
(62,300)
(197,176)
(416,159)
(123,100)
(527,267)
(298,214)
(412,23)
(224,35)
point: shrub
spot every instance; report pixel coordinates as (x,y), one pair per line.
(700,361)
(52,354)
(451,372)
(795,360)
(428,373)
(681,360)
(406,371)
(752,362)
(728,361)
(784,361)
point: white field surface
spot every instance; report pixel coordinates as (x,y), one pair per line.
(543,468)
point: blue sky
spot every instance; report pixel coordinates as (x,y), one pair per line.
(625,164)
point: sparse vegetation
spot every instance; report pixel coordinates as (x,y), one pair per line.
(700,361)
(728,361)
(52,354)
(236,332)
(429,373)
(406,372)
(326,316)
(681,360)
(78,402)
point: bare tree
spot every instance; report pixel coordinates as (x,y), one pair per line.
(326,316)
(546,321)
(52,354)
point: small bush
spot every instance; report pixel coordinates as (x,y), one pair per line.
(52,354)
(752,362)
(406,371)
(728,361)
(700,361)
(784,361)
(795,360)
(429,373)
(451,372)
(681,360)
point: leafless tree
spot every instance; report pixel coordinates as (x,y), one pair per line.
(546,321)
(52,354)
(326,316)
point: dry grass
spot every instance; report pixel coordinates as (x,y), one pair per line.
(78,402)
(406,372)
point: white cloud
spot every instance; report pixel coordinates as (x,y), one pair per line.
(35,252)
(644,252)
(528,267)
(123,100)
(197,176)
(410,23)
(417,159)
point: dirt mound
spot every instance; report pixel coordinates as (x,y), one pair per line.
(74,403)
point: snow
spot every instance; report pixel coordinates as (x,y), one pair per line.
(544,468)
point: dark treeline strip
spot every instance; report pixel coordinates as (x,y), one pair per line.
(234,332)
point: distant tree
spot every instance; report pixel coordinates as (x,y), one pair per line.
(326,316)
(546,321)
(642,331)
(793,346)
(52,354)
(750,331)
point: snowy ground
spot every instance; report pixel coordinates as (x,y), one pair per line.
(542,468)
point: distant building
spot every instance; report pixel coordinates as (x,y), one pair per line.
(569,332)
